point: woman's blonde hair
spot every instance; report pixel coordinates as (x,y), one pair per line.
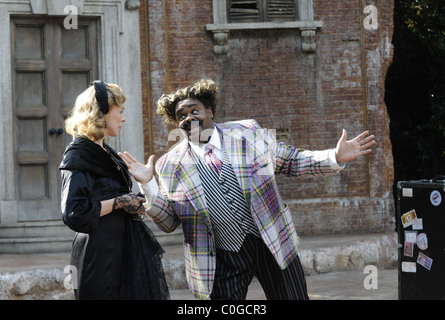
(86,120)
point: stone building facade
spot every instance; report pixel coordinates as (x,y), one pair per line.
(305,68)
(51,50)
(306,77)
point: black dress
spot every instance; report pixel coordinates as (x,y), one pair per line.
(116,256)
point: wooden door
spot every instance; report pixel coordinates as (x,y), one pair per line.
(51,65)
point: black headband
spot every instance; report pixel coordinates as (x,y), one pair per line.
(101,95)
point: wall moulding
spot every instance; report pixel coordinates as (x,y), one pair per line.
(55,7)
(307,29)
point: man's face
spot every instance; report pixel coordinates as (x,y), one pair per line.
(195,119)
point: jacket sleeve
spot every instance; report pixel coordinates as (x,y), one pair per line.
(79,212)
(296,162)
(159,208)
(293,161)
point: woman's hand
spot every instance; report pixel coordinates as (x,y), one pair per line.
(349,150)
(131,203)
(141,173)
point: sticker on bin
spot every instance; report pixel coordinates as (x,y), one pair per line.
(418,224)
(410,236)
(408,267)
(408,249)
(422,241)
(424,261)
(407,192)
(409,218)
(435,198)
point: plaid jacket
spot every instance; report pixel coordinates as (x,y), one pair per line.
(256,157)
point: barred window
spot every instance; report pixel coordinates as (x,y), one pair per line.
(261,10)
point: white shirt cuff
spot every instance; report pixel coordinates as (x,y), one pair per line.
(333,161)
(150,191)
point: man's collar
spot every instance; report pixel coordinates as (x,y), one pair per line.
(215,141)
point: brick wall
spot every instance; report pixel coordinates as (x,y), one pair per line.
(308,98)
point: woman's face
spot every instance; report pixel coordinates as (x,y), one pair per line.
(114,120)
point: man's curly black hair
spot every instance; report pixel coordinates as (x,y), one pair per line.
(205,90)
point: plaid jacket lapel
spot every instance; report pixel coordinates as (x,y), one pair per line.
(188,176)
(236,150)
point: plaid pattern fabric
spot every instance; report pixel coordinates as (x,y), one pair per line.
(256,158)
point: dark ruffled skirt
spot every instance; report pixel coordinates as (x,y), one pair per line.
(142,272)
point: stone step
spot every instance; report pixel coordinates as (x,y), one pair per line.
(45,229)
(35,237)
(54,236)
(35,245)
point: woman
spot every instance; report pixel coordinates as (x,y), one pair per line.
(116,255)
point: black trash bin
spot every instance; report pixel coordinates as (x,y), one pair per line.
(421,234)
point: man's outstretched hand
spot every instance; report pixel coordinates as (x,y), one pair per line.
(349,150)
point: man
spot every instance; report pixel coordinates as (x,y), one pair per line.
(220,184)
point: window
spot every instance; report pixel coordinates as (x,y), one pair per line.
(261,10)
(263,14)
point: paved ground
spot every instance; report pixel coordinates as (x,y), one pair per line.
(331,286)
(336,284)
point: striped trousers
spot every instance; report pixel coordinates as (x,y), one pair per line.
(235,271)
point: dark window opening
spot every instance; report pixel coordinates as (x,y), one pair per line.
(262,10)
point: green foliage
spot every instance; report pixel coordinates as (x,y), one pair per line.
(425,19)
(415,89)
